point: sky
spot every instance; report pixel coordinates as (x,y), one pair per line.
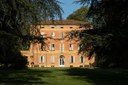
(68,7)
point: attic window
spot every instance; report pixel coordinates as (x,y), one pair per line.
(42,27)
(80,27)
(52,27)
(71,27)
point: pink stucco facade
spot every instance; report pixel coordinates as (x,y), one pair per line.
(60,48)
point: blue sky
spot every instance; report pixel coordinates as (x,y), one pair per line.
(69,7)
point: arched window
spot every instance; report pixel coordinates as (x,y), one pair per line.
(62,60)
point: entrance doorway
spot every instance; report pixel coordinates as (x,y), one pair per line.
(62,61)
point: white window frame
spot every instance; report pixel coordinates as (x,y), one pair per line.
(61,47)
(79,47)
(79,35)
(52,47)
(42,34)
(70,47)
(52,34)
(42,59)
(72,59)
(71,35)
(43,47)
(62,35)
(81,61)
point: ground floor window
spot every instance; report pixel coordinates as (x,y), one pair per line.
(62,60)
(71,59)
(81,59)
(52,59)
(42,59)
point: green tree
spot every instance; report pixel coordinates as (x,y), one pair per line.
(109,35)
(79,14)
(16,16)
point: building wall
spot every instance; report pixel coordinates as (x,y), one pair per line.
(35,52)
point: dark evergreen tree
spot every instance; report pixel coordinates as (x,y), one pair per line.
(16,16)
(79,14)
(109,35)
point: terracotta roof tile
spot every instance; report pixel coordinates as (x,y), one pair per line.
(63,22)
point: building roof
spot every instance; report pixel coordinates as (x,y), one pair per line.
(63,22)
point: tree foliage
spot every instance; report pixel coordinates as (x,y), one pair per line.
(16,16)
(79,14)
(109,35)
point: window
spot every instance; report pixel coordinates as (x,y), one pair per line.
(25,45)
(62,60)
(79,35)
(71,35)
(81,59)
(52,59)
(62,48)
(62,35)
(80,27)
(52,47)
(71,59)
(52,34)
(42,34)
(79,47)
(71,27)
(42,59)
(43,48)
(70,47)
(41,26)
(52,27)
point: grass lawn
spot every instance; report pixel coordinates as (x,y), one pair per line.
(64,76)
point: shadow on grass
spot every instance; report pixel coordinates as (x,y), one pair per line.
(99,76)
(21,77)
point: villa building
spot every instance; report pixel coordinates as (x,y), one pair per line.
(60,47)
